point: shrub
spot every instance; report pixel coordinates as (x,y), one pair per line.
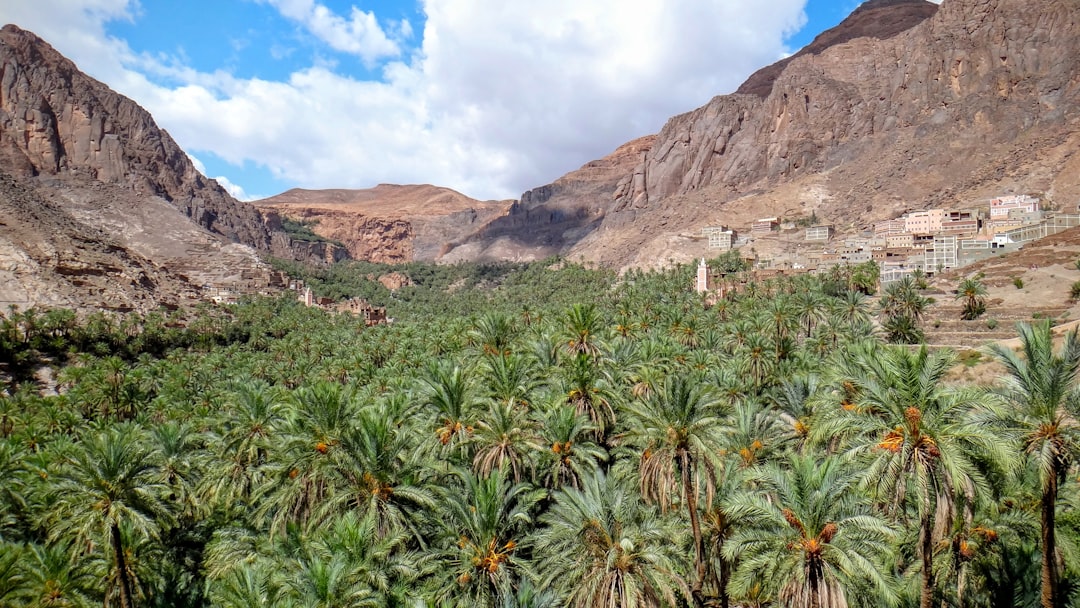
(970,358)
(991,324)
(1018,282)
(1074,291)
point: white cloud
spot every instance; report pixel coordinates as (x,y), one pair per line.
(359,35)
(499,97)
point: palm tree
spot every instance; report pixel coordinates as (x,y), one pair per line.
(110,481)
(898,416)
(587,390)
(53,575)
(902,306)
(244,442)
(448,391)
(380,477)
(601,546)
(677,436)
(483,522)
(972,291)
(510,378)
(582,330)
(809,536)
(571,453)
(505,438)
(1042,384)
(493,333)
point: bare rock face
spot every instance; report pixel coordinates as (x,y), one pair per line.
(56,121)
(974,99)
(50,258)
(388,223)
(976,73)
(549,219)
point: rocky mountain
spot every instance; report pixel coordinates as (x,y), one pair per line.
(387,223)
(904,105)
(106,186)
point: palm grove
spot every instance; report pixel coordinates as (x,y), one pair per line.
(535,435)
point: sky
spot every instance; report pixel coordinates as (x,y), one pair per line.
(488,97)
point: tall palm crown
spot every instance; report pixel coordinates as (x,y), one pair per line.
(677,435)
(1042,384)
(914,434)
(601,546)
(808,536)
(109,481)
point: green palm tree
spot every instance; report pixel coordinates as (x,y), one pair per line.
(677,436)
(972,291)
(246,586)
(601,546)
(506,438)
(53,576)
(581,332)
(510,378)
(809,537)
(379,475)
(449,394)
(1042,385)
(902,306)
(483,524)
(493,333)
(914,433)
(111,480)
(570,452)
(588,390)
(243,442)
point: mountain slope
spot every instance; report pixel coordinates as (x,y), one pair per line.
(977,100)
(388,223)
(904,105)
(90,177)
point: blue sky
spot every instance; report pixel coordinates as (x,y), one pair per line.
(485,96)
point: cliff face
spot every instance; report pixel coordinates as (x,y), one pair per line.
(974,99)
(56,121)
(976,73)
(387,223)
(549,219)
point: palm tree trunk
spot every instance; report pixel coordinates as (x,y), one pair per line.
(725,574)
(691,504)
(1049,553)
(126,588)
(926,551)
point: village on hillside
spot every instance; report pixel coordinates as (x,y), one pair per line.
(928,241)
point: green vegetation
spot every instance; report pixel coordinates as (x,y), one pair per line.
(301,230)
(1018,282)
(1074,291)
(535,435)
(973,293)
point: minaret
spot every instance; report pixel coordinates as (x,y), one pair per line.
(702,277)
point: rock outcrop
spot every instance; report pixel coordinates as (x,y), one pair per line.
(57,121)
(978,73)
(549,219)
(973,99)
(387,223)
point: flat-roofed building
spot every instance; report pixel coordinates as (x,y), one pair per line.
(1001,206)
(924,222)
(893,226)
(720,237)
(941,255)
(899,241)
(765,225)
(822,232)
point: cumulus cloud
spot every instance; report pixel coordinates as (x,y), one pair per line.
(497,98)
(359,35)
